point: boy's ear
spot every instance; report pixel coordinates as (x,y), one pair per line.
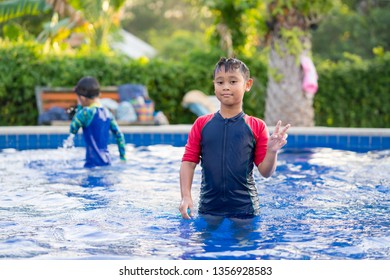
(82,99)
(248,84)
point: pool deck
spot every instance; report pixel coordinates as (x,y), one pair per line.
(37,137)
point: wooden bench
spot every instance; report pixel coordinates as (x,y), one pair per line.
(66,98)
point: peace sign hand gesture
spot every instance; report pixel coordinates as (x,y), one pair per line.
(278,138)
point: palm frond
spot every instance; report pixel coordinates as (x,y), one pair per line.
(17,8)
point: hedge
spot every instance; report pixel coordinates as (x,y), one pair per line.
(350,95)
(354,94)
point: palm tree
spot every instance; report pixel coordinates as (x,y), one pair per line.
(286,24)
(16,8)
(96,18)
(289,23)
(102,18)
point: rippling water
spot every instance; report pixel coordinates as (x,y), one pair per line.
(320,204)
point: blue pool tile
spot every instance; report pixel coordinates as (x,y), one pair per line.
(364,142)
(53,141)
(128,138)
(3,141)
(12,141)
(311,141)
(291,141)
(184,138)
(322,141)
(376,142)
(386,142)
(333,140)
(136,139)
(176,139)
(301,139)
(179,139)
(146,139)
(167,139)
(343,142)
(23,142)
(157,139)
(43,140)
(32,141)
(354,141)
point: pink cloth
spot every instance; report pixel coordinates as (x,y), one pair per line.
(310,77)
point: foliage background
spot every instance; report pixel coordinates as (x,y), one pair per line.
(350,47)
(352,93)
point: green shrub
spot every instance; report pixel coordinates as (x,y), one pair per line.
(354,94)
(167,82)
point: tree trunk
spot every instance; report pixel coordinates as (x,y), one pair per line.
(286,100)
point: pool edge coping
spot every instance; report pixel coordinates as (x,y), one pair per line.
(185,128)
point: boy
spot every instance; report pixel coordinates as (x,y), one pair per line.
(227,143)
(96,122)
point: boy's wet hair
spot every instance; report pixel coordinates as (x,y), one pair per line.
(88,87)
(232,64)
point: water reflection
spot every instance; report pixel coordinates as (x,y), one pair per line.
(320,204)
(220,238)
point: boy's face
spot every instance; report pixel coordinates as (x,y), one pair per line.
(230,87)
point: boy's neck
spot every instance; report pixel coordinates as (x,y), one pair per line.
(90,102)
(228,113)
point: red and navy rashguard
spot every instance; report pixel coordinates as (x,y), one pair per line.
(227,150)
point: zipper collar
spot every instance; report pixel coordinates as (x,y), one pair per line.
(232,119)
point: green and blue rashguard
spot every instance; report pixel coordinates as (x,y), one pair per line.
(97,122)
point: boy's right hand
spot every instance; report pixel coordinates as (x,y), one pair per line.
(186,208)
(278,138)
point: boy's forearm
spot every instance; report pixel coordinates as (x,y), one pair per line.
(186,176)
(268,166)
(120,138)
(121,146)
(74,125)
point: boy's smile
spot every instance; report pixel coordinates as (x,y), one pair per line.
(224,94)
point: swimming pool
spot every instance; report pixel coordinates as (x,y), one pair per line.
(321,203)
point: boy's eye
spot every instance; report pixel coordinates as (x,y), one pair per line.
(233,82)
(219,83)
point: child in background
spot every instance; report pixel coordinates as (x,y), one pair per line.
(228,143)
(97,122)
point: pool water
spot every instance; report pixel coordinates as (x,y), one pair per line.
(320,204)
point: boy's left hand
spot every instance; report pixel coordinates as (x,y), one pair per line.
(278,138)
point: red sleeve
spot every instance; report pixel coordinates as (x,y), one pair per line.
(192,149)
(261,134)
